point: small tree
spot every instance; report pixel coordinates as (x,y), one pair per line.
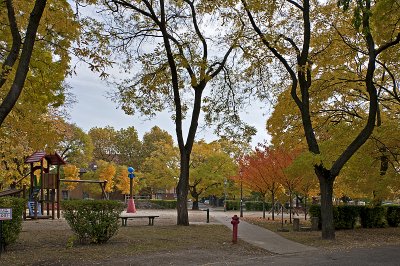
(210,167)
(257,174)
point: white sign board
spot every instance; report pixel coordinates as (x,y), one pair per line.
(5,214)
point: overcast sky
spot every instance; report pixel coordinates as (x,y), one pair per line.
(94,109)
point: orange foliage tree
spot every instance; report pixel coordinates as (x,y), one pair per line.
(280,160)
(257,174)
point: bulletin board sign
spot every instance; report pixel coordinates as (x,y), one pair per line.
(5,214)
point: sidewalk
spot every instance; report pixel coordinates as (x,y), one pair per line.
(261,237)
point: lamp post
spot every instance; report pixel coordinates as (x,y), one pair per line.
(131,203)
(241,195)
(225,182)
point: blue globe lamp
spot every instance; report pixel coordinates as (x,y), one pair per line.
(131,203)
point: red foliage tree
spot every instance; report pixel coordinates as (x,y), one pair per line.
(257,173)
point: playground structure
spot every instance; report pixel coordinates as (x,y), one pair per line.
(44,192)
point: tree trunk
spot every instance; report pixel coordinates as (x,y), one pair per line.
(263,207)
(195,196)
(273,206)
(195,205)
(326,188)
(182,191)
(305,207)
(290,207)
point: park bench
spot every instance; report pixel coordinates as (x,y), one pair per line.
(125,218)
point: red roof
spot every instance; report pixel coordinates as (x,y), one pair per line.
(54,159)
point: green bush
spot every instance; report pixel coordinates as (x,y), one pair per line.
(164,204)
(257,206)
(12,228)
(155,204)
(393,216)
(232,205)
(373,217)
(93,221)
(345,217)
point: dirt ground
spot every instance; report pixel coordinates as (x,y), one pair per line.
(51,242)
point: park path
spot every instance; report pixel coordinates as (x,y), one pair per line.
(261,237)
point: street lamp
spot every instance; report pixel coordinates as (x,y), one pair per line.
(131,203)
(241,195)
(225,182)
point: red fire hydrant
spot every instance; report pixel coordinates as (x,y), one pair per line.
(235,222)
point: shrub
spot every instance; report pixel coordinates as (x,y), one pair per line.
(164,204)
(155,204)
(12,228)
(345,217)
(373,217)
(93,221)
(257,206)
(393,216)
(232,205)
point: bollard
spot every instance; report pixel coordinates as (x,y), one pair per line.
(235,222)
(208,215)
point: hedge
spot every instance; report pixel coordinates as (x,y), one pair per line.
(12,228)
(155,204)
(164,204)
(393,216)
(232,205)
(373,217)
(257,206)
(345,217)
(93,221)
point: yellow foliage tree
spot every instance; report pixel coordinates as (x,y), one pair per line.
(122,181)
(71,172)
(107,173)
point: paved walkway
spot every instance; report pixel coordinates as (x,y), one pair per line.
(261,237)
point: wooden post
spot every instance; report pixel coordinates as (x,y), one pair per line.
(47,201)
(58,191)
(31,187)
(41,186)
(24,197)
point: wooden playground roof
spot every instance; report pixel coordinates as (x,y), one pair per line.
(54,159)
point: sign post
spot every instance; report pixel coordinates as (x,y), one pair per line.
(5,214)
